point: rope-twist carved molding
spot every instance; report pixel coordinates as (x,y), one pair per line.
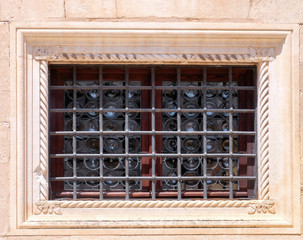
(153,204)
(252,55)
(263,136)
(43,130)
(255,55)
(254,206)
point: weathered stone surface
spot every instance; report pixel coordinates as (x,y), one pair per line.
(90,9)
(183,8)
(31,10)
(4,128)
(270,11)
(191,237)
(280,11)
(157,9)
(4,193)
(39,238)
(4,141)
(301,120)
(4,93)
(4,60)
(4,33)
(277,11)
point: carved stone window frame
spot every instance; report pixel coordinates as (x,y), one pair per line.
(274,49)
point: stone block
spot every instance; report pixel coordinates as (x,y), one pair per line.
(4,106)
(90,8)
(4,75)
(4,194)
(277,11)
(4,141)
(301,96)
(31,10)
(183,8)
(57,237)
(192,237)
(4,34)
(157,9)
(4,70)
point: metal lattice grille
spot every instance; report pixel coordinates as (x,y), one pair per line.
(137,132)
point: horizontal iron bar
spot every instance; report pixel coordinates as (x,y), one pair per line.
(209,155)
(186,194)
(121,178)
(174,133)
(200,110)
(131,87)
(98,87)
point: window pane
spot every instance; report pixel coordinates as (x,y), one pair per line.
(120,132)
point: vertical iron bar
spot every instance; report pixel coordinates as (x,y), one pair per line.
(126,136)
(74,133)
(231,194)
(179,129)
(153,134)
(256,130)
(101,129)
(204,136)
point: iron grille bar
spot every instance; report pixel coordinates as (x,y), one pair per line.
(153,135)
(173,133)
(82,155)
(150,87)
(178,136)
(121,178)
(255,127)
(185,91)
(204,170)
(126,135)
(101,129)
(74,137)
(161,110)
(230,138)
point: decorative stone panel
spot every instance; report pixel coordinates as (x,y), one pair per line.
(272,48)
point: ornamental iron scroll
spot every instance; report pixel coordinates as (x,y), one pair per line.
(261,56)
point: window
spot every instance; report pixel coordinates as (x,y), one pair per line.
(39,48)
(186,132)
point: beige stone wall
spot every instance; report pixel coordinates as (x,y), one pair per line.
(217,11)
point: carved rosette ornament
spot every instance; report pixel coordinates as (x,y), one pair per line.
(47,208)
(262,56)
(262,207)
